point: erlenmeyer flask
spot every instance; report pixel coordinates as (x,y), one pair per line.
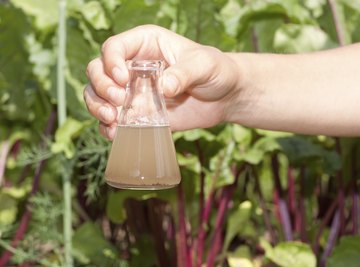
(142,155)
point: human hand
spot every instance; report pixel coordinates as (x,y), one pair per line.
(199,83)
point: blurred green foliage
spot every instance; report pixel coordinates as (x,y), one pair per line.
(119,228)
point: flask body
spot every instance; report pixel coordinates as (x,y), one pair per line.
(143,155)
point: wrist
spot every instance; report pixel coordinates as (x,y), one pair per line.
(239,108)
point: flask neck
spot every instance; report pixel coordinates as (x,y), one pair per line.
(143,81)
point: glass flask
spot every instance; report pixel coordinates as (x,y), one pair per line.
(143,155)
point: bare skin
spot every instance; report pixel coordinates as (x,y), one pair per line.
(315,93)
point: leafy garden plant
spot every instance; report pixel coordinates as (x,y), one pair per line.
(248,197)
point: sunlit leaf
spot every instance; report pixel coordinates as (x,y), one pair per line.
(293,38)
(94,14)
(293,254)
(45,13)
(65,134)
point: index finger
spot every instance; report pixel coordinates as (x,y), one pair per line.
(124,46)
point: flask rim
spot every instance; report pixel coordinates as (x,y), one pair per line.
(145,64)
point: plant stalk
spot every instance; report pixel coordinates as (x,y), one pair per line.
(334,232)
(301,217)
(184,252)
(61,98)
(282,206)
(5,148)
(340,31)
(355,194)
(265,211)
(225,198)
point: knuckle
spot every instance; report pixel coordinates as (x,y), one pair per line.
(85,94)
(147,27)
(103,130)
(207,55)
(101,86)
(90,67)
(105,46)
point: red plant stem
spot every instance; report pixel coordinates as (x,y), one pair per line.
(265,211)
(18,236)
(283,209)
(202,181)
(341,192)
(20,232)
(201,235)
(184,252)
(5,148)
(355,194)
(301,218)
(324,222)
(226,195)
(334,232)
(202,232)
(291,195)
(340,31)
(206,215)
(355,213)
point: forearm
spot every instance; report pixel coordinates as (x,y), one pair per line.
(315,93)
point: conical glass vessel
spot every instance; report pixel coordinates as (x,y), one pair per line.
(142,155)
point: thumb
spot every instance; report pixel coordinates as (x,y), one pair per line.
(184,75)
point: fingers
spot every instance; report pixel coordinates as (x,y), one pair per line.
(98,107)
(143,42)
(103,85)
(119,48)
(108,131)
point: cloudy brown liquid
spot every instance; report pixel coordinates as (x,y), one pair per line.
(142,158)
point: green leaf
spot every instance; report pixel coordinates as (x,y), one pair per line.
(346,253)
(255,154)
(316,6)
(196,134)
(65,134)
(94,14)
(17,94)
(110,5)
(294,254)
(89,246)
(262,10)
(273,134)
(242,135)
(239,262)
(202,23)
(133,13)
(354,4)
(230,15)
(293,38)
(42,60)
(45,13)
(300,150)
(236,220)
(16,192)
(8,209)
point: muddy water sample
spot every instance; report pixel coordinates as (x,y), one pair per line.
(143,158)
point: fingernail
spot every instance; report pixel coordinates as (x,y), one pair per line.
(117,75)
(114,95)
(171,84)
(111,132)
(105,114)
